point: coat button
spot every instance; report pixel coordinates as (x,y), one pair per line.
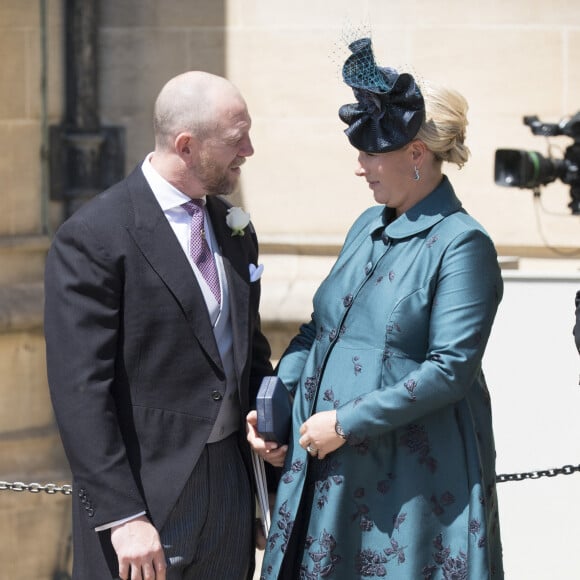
(368,268)
(347,300)
(216,396)
(385,238)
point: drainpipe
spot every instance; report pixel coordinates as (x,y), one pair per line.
(44,169)
(85,157)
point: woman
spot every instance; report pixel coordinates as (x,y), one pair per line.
(391,468)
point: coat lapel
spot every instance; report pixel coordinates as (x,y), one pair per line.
(236,266)
(156,240)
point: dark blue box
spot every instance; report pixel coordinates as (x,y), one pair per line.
(274,408)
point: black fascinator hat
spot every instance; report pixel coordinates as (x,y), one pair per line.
(389,108)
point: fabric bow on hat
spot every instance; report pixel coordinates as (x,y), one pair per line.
(390,107)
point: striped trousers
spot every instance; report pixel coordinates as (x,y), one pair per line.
(209,534)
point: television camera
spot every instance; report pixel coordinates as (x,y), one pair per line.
(530,169)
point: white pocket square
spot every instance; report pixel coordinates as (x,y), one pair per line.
(256,272)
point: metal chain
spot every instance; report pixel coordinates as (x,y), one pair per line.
(65,489)
(565,470)
(50,488)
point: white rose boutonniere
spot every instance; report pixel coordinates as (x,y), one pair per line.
(237,220)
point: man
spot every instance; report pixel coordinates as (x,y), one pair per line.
(155,353)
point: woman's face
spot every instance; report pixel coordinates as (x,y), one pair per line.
(390,176)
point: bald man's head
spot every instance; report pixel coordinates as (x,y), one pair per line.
(190,102)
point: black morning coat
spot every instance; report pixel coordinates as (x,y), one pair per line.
(133,367)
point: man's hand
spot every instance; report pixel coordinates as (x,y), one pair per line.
(139,550)
(268,450)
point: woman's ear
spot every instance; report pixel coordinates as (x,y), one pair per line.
(418,150)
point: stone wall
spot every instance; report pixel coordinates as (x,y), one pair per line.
(34,528)
(510,58)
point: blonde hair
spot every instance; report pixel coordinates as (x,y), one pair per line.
(443,130)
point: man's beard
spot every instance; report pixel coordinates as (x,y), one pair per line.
(215,179)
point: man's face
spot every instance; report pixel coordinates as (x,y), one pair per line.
(224,151)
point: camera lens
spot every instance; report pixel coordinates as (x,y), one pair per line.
(524,169)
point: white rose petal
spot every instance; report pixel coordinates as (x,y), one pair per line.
(237,219)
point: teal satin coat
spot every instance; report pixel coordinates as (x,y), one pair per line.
(395,345)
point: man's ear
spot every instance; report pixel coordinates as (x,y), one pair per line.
(186,146)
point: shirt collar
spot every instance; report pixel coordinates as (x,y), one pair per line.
(167,195)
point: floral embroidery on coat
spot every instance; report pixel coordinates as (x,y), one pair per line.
(370,563)
(329,398)
(284,524)
(439,504)
(416,440)
(357,365)
(319,551)
(328,476)
(410,385)
(453,568)
(362,510)
(296,467)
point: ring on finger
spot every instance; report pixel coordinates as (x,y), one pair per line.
(312,450)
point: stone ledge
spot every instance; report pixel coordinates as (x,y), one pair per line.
(22,259)
(21,307)
(291,279)
(330,245)
(24,243)
(301,245)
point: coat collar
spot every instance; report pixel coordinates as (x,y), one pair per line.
(156,240)
(440,203)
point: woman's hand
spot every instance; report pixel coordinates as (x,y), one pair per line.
(318,435)
(269,451)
